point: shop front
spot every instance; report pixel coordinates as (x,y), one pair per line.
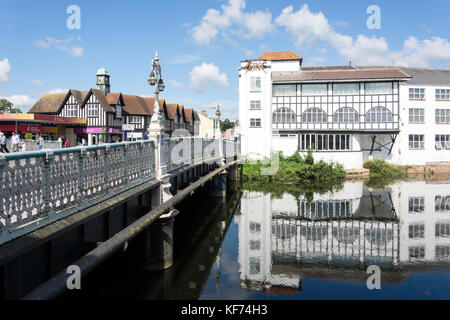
(30,131)
(100,135)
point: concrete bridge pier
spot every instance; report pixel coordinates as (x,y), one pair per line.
(156,243)
(232,179)
(219,185)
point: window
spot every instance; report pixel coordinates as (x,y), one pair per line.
(442,94)
(118,111)
(284,115)
(416,115)
(416,141)
(284,90)
(442,204)
(417,93)
(255,105)
(314,90)
(346,89)
(416,231)
(72,111)
(135,119)
(314,115)
(379,88)
(442,253)
(255,83)
(379,114)
(442,142)
(255,245)
(443,116)
(255,265)
(346,115)
(255,227)
(416,253)
(255,123)
(442,230)
(92,110)
(416,205)
(325,142)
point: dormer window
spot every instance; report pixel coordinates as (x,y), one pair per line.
(118,111)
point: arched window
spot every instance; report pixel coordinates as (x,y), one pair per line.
(379,114)
(284,115)
(314,115)
(346,115)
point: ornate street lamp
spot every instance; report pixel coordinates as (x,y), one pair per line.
(155,80)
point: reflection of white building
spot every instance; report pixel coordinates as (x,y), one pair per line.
(282,239)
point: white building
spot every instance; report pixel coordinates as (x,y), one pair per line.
(345,114)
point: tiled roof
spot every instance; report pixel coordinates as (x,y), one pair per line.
(135,105)
(171,110)
(113,98)
(48,103)
(188,114)
(279,56)
(355,74)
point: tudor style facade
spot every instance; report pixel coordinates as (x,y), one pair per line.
(107,112)
(344,114)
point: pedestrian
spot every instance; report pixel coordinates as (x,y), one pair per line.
(83,142)
(41,143)
(3,148)
(67,144)
(60,142)
(145,135)
(22,146)
(15,140)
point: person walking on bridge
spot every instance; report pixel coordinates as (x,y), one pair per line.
(15,140)
(3,148)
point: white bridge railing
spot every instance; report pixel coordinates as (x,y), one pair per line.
(38,188)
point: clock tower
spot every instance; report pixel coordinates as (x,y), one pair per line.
(103,81)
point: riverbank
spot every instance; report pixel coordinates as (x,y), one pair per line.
(294,170)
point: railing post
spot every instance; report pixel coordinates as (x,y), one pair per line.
(3,164)
(47,182)
(141,160)
(125,163)
(106,185)
(81,175)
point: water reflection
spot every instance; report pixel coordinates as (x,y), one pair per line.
(338,235)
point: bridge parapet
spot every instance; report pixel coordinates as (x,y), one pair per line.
(41,187)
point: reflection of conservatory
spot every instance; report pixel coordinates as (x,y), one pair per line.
(337,236)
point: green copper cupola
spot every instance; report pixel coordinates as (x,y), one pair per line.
(103,83)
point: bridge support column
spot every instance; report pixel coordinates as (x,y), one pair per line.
(232,182)
(158,244)
(219,185)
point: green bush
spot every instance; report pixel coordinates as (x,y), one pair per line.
(383,173)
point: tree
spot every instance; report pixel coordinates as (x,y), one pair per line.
(7,107)
(225,125)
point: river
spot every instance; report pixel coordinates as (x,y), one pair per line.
(263,245)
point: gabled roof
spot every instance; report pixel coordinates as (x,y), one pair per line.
(101,99)
(114,98)
(150,102)
(188,113)
(280,56)
(172,110)
(135,105)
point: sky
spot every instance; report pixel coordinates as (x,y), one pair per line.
(201,43)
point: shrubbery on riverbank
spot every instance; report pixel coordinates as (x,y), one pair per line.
(383,173)
(296,169)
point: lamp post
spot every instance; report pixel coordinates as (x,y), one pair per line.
(217,130)
(156,123)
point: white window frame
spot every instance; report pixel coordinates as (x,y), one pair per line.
(416,142)
(255,84)
(72,111)
(416,93)
(416,115)
(284,90)
(255,104)
(442,94)
(284,115)
(255,123)
(375,88)
(92,110)
(442,141)
(416,205)
(442,116)
(135,119)
(346,115)
(346,89)
(314,90)
(325,142)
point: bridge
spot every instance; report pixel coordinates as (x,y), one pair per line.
(79,206)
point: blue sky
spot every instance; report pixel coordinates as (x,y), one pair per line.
(200,43)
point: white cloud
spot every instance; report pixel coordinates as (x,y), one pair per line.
(176,84)
(55,91)
(307,28)
(5,68)
(206,75)
(22,101)
(232,16)
(37,83)
(66,45)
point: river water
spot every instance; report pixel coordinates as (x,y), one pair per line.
(263,245)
